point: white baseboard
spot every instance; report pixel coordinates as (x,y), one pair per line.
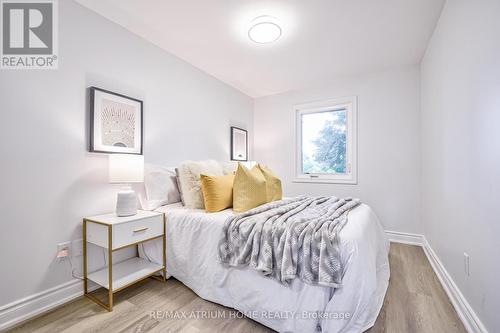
(21,310)
(405,238)
(31,306)
(469,318)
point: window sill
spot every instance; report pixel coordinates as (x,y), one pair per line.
(325,181)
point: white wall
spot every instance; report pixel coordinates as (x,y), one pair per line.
(49,180)
(388,142)
(461,150)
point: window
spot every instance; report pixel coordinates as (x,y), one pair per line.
(326,142)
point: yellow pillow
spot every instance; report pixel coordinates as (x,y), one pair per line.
(217,192)
(273,184)
(249,189)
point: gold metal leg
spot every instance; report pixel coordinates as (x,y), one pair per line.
(164,270)
(164,248)
(85,272)
(110,267)
(97,301)
(85,283)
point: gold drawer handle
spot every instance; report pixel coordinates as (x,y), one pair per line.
(142,229)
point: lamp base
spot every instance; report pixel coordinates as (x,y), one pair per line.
(126,202)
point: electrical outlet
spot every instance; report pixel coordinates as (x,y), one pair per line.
(63,250)
(77,248)
(467,264)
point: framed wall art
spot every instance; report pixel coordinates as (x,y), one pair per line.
(239,144)
(116,123)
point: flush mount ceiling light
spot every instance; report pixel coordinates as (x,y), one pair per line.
(264,29)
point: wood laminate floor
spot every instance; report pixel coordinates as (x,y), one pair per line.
(415,302)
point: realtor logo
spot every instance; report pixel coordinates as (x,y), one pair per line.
(29,34)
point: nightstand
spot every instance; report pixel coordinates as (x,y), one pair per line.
(114,233)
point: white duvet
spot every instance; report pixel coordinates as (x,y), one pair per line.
(192,238)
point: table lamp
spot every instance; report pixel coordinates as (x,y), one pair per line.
(126,169)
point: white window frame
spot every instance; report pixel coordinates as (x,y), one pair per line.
(351,106)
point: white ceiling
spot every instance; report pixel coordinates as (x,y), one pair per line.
(322,39)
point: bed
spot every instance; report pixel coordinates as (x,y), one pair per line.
(298,307)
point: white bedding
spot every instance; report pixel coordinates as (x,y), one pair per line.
(352,308)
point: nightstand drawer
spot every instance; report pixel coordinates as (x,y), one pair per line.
(137,231)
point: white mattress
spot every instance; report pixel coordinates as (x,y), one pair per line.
(192,238)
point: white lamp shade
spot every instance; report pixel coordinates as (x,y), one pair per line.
(126,168)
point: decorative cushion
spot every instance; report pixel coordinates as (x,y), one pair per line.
(249,189)
(273,184)
(160,187)
(229,168)
(178,181)
(217,192)
(189,179)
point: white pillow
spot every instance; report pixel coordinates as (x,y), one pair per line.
(189,178)
(160,185)
(229,168)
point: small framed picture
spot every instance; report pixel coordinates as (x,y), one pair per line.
(115,123)
(239,144)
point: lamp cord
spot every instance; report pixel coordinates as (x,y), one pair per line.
(73,269)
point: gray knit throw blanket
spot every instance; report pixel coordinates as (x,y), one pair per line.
(290,238)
